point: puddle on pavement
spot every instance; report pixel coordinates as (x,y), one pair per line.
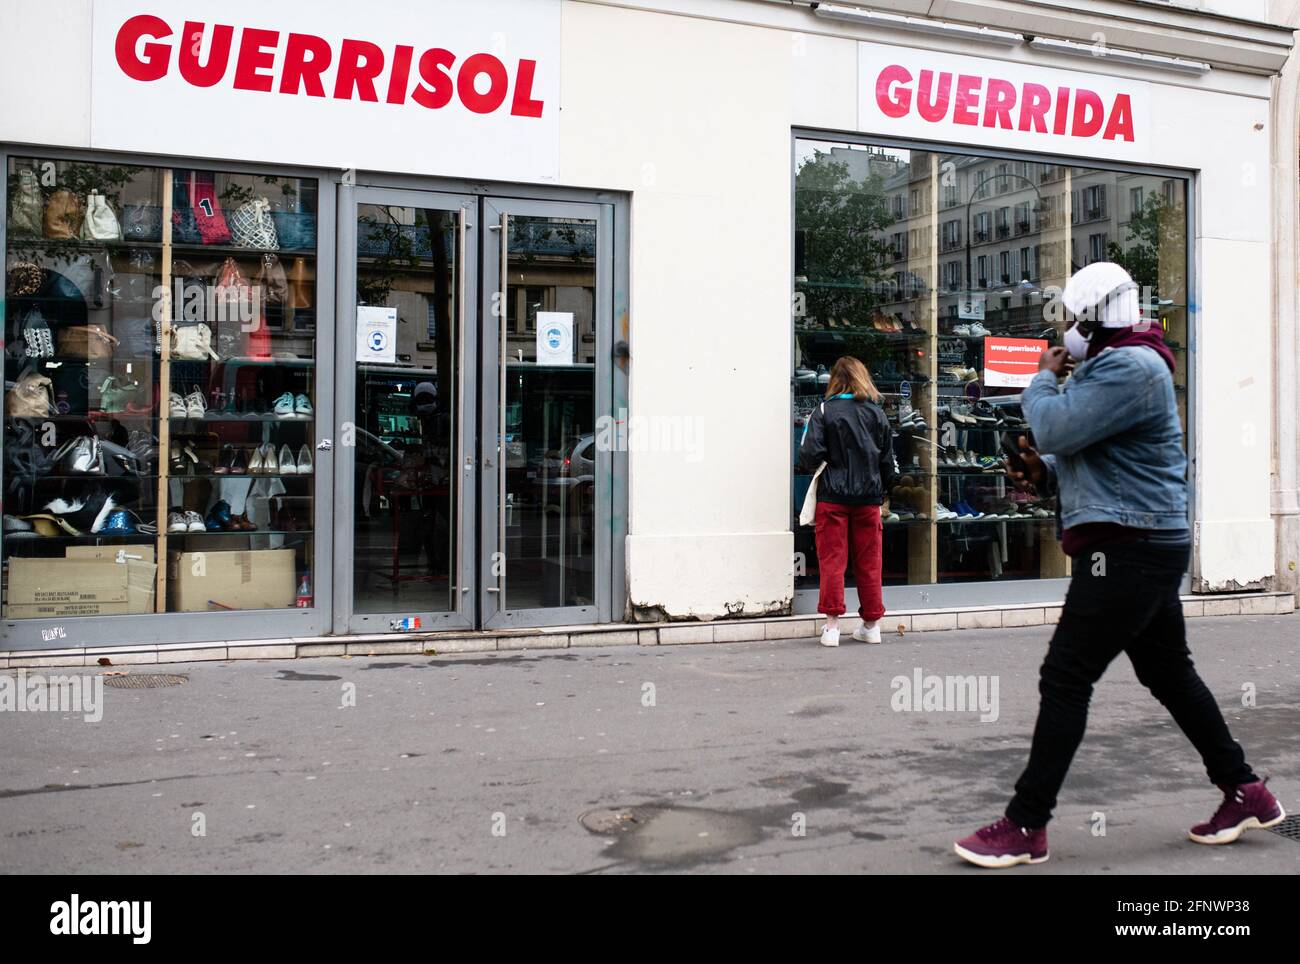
(658,834)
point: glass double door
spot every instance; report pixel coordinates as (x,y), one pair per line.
(472,487)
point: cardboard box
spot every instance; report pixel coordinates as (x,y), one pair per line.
(246,579)
(132,553)
(142,574)
(46,588)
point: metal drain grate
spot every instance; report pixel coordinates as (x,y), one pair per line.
(1289,828)
(145,681)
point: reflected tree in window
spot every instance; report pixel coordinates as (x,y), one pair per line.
(845,248)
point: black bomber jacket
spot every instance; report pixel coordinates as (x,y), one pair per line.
(853,438)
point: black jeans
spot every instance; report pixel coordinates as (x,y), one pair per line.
(1123,598)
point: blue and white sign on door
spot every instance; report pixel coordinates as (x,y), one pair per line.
(376,334)
(555,338)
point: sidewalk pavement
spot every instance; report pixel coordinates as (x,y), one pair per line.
(704,758)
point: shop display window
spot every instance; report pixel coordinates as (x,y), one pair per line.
(941,273)
(160,384)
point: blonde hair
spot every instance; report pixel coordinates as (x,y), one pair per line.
(849,376)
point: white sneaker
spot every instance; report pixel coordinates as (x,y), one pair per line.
(868,632)
(830,637)
(195,405)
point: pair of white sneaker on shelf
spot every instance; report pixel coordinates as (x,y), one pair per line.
(866,633)
(185,522)
(191,406)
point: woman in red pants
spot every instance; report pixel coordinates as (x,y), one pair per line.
(850,433)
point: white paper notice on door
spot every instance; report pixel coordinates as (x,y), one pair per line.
(555,338)
(376,334)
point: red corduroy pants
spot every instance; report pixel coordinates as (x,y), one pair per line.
(844,531)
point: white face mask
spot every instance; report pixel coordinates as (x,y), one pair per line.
(1076,344)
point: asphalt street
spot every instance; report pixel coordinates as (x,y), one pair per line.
(763,757)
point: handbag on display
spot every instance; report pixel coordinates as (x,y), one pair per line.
(26,462)
(209,220)
(62,215)
(37,338)
(192,343)
(31,397)
(232,287)
(295,230)
(115,393)
(86,341)
(252,226)
(256,336)
(185,229)
(80,456)
(142,222)
(93,277)
(100,223)
(273,281)
(142,336)
(25,210)
(24,279)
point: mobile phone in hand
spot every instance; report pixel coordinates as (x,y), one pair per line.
(1011,452)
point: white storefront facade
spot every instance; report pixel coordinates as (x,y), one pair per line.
(553,284)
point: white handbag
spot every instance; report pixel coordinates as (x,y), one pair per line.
(251,226)
(808,514)
(100,223)
(193,343)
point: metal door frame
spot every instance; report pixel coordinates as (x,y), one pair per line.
(493,586)
(462,614)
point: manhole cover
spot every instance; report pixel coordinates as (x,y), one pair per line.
(145,681)
(1289,828)
(611,821)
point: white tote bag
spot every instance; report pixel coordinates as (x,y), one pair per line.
(101,222)
(808,514)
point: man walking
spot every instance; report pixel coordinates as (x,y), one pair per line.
(1112,452)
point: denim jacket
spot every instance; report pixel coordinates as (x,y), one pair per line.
(1112,439)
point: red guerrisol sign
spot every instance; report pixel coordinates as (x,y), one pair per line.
(147,48)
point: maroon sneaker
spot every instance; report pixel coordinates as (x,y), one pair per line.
(1003,844)
(1244,807)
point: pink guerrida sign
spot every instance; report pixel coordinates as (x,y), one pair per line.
(947,97)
